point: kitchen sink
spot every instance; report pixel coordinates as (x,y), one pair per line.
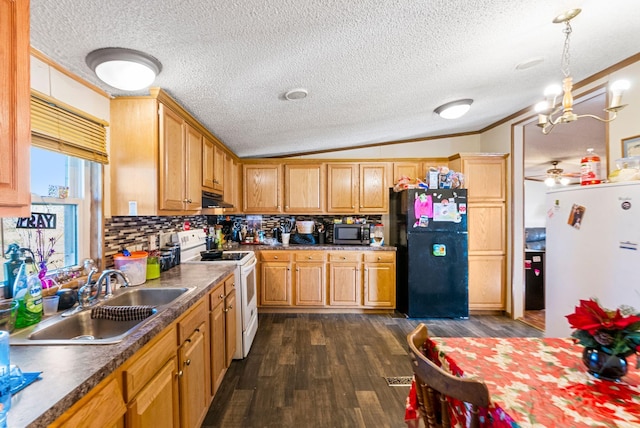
(145,296)
(80,328)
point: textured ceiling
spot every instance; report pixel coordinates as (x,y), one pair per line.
(375,70)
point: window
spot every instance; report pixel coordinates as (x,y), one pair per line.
(53,175)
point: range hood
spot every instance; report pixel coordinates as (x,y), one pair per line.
(213,201)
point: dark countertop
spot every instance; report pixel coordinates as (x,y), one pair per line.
(320,247)
(69,372)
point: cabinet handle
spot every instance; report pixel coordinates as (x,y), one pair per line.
(230,306)
(343,258)
(188,340)
(286,207)
(379,258)
(180,373)
(352,206)
(310,258)
(197,330)
(297,269)
(275,257)
(186,201)
(228,309)
(222,296)
(187,363)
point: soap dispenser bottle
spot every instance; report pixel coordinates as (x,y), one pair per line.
(27,291)
(11,268)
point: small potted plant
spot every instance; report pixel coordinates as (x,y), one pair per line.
(608,337)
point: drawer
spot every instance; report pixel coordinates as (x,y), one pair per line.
(345,256)
(310,256)
(229,284)
(216,296)
(379,256)
(147,364)
(191,321)
(275,256)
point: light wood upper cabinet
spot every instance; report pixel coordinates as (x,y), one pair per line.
(304,187)
(207,164)
(484,175)
(342,188)
(156,158)
(374,191)
(15,130)
(262,193)
(213,164)
(232,184)
(412,170)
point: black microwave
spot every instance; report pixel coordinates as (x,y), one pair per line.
(351,234)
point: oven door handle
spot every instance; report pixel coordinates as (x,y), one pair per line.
(248,268)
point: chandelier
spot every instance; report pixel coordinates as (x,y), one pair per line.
(550,107)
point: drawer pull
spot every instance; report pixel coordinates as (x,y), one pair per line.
(275,257)
(188,362)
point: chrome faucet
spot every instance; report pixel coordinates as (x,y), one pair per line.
(106,277)
(88,297)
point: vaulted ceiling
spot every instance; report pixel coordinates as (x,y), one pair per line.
(374,70)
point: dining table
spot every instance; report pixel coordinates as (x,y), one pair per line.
(534,382)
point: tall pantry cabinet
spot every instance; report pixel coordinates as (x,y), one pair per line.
(486,181)
(15,131)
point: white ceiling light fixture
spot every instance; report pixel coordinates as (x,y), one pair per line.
(555,176)
(454,109)
(125,69)
(296,94)
(550,107)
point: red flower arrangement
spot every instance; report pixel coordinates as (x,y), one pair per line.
(614,332)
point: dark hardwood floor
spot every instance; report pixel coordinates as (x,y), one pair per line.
(328,370)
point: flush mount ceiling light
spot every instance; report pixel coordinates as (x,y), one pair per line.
(550,107)
(454,109)
(125,69)
(296,94)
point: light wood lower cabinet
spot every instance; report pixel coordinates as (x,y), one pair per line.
(323,279)
(345,279)
(275,278)
(171,381)
(102,407)
(310,278)
(156,404)
(193,361)
(380,280)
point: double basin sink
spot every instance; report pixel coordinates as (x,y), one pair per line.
(80,328)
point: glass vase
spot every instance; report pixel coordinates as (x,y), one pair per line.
(603,365)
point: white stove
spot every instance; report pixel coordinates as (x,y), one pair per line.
(192,243)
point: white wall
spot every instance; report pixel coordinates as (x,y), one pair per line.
(535,193)
(442,147)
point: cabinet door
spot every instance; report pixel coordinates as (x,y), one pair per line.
(304,188)
(275,284)
(262,189)
(379,285)
(344,284)
(412,170)
(217,341)
(15,129)
(487,282)
(342,188)
(172,161)
(157,403)
(230,324)
(193,170)
(485,177)
(92,412)
(207,164)
(194,389)
(232,185)
(310,283)
(218,169)
(374,192)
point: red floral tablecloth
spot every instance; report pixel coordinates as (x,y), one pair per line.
(538,383)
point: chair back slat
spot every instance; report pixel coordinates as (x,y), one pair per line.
(434,385)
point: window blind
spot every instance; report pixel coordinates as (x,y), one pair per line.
(62,129)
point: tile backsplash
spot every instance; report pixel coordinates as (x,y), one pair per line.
(131,232)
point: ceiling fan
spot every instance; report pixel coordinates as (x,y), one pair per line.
(557,176)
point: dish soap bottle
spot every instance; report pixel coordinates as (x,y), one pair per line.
(27,290)
(11,268)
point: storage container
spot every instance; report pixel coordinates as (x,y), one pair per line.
(305,226)
(134,266)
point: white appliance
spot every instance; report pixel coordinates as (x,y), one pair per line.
(593,250)
(192,242)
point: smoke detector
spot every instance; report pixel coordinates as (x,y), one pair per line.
(296,94)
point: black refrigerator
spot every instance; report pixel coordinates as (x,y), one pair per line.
(429,230)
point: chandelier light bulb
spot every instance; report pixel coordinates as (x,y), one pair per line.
(620,85)
(550,181)
(541,107)
(564,181)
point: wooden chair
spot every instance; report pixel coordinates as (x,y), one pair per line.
(434,385)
